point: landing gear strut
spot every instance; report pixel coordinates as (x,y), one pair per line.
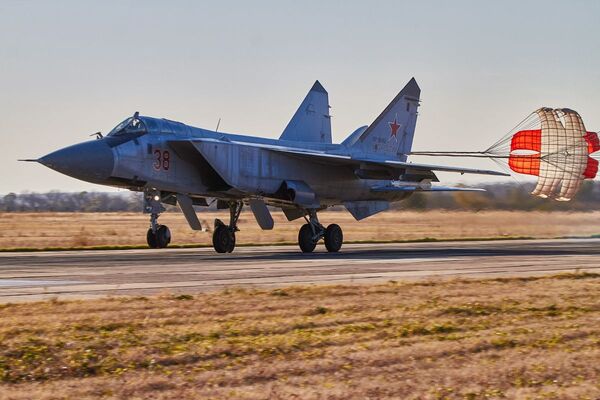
(224,235)
(311,232)
(158,236)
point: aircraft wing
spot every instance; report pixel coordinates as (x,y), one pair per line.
(341,159)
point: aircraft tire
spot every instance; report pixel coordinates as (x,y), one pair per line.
(232,242)
(151,239)
(305,239)
(334,238)
(223,239)
(163,236)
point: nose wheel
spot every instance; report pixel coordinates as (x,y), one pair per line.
(311,232)
(159,239)
(158,236)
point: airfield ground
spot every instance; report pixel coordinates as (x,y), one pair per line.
(29,276)
(402,321)
(39,230)
(525,338)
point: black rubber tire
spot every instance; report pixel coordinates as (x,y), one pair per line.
(222,239)
(151,239)
(305,239)
(232,242)
(163,236)
(334,238)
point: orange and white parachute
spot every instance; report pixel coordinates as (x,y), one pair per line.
(551,144)
(558,152)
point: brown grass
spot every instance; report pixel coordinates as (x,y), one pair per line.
(35,230)
(524,338)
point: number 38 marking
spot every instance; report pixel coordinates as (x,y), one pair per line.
(162,160)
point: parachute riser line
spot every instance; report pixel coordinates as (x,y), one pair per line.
(472,154)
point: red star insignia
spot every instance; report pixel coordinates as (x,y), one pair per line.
(394,126)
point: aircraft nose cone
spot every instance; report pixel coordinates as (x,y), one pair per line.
(91,161)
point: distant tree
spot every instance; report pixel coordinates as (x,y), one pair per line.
(9,202)
(418,201)
(472,200)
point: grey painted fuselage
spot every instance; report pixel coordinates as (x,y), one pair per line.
(302,170)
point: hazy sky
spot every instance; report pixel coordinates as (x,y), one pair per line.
(71,68)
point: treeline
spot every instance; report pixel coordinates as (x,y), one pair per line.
(511,196)
(70,202)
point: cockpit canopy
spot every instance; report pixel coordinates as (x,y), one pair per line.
(137,126)
(130,125)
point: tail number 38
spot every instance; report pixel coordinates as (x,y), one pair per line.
(162,160)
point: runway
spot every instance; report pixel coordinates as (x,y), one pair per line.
(87,274)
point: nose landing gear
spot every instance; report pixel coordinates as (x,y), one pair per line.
(311,232)
(224,235)
(158,236)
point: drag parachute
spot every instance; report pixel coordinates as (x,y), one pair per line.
(558,153)
(552,144)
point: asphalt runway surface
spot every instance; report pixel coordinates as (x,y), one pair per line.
(87,274)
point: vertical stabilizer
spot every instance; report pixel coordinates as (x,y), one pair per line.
(392,132)
(311,122)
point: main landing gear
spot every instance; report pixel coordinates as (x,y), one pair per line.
(158,236)
(311,232)
(224,235)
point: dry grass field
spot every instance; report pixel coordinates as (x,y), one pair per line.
(527,338)
(36,230)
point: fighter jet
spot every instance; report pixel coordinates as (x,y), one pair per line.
(301,173)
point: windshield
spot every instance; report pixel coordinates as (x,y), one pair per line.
(130,125)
